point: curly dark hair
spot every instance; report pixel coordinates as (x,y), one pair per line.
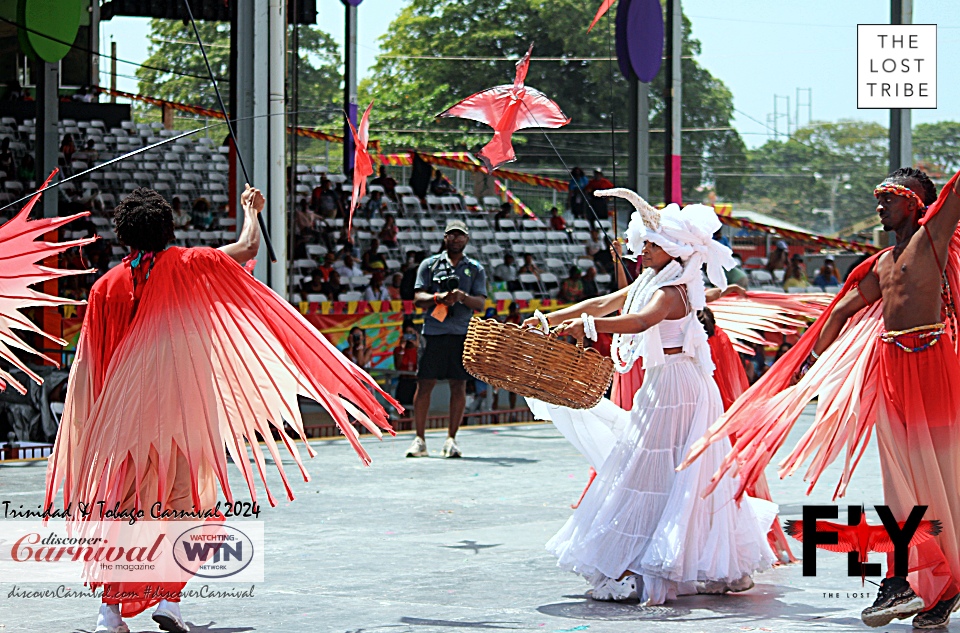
(144,220)
(903,174)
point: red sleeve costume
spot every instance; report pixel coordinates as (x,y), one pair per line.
(194,356)
(862,382)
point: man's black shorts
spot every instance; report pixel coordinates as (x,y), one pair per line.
(441,357)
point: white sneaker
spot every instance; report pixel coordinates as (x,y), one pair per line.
(418,448)
(450,448)
(167,616)
(743,584)
(718,587)
(610,590)
(109,620)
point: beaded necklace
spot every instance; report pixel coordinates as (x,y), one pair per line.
(624,348)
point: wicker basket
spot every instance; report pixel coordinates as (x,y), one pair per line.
(531,364)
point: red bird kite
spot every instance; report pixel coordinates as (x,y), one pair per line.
(508,108)
(603,9)
(863,538)
(362,165)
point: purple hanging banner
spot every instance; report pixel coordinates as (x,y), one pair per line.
(644,37)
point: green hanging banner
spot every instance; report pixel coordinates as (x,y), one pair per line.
(57,19)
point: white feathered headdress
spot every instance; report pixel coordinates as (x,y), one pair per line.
(686,233)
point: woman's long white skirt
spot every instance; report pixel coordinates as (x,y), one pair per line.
(640,514)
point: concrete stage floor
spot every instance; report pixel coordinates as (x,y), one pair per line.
(437,546)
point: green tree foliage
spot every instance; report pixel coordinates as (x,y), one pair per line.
(820,165)
(409,90)
(173,46)
(936,147)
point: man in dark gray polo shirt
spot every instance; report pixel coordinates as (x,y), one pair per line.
(450,288)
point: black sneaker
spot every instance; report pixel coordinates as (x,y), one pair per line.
(894,600)
(939,616)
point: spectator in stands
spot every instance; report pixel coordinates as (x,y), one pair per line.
(83,95)
(828,275)
(68,148)
(557,223)
(375,205)
(376,291)
(312,286)
(28,168)
(576,195)
(327,267)
(593,245)
(439,185)
(529,267)
(408,285)
(571,288)
(590,287)
(332,287)
(202,214)
(405,362)
(357,350)
(8,163)
(445,330)
(597,183)
(88,154)
(396,280)
(723,239)
(181,219)
(389,231)
(507,272)
(759,359)
(783,349)
(513,314)
(749,369)
(326,201)
(503,214)
(736,275)
(795,277)
(349,268)
(389,184)
(778,259)
(16,92)
(372,255)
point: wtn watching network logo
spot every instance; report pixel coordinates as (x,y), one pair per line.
(223,553)
(857,538)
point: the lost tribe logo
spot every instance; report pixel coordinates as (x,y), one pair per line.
(857,538)
(224,553)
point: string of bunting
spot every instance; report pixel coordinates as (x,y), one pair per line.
(805,238)
(407,307)
(216,114)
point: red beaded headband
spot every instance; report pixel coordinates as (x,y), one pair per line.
(899,190)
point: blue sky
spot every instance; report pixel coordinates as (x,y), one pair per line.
(759,48)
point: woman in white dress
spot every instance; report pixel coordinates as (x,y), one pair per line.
(642,530)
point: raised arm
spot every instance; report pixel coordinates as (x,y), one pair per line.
(943,223)
(715,293)
(857,298)
(247,245)
(664,303)
(598,306)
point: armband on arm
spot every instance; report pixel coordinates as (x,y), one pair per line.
(862,296)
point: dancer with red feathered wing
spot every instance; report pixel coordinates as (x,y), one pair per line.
(19,270)
(883,355)
(182,353)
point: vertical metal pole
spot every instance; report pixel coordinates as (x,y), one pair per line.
(48,137)
(113,71)
(94,43)
(672,100)
(276,144)
(901,137)
(349,82)
(640,137)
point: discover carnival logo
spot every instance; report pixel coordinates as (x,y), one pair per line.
(222,554)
